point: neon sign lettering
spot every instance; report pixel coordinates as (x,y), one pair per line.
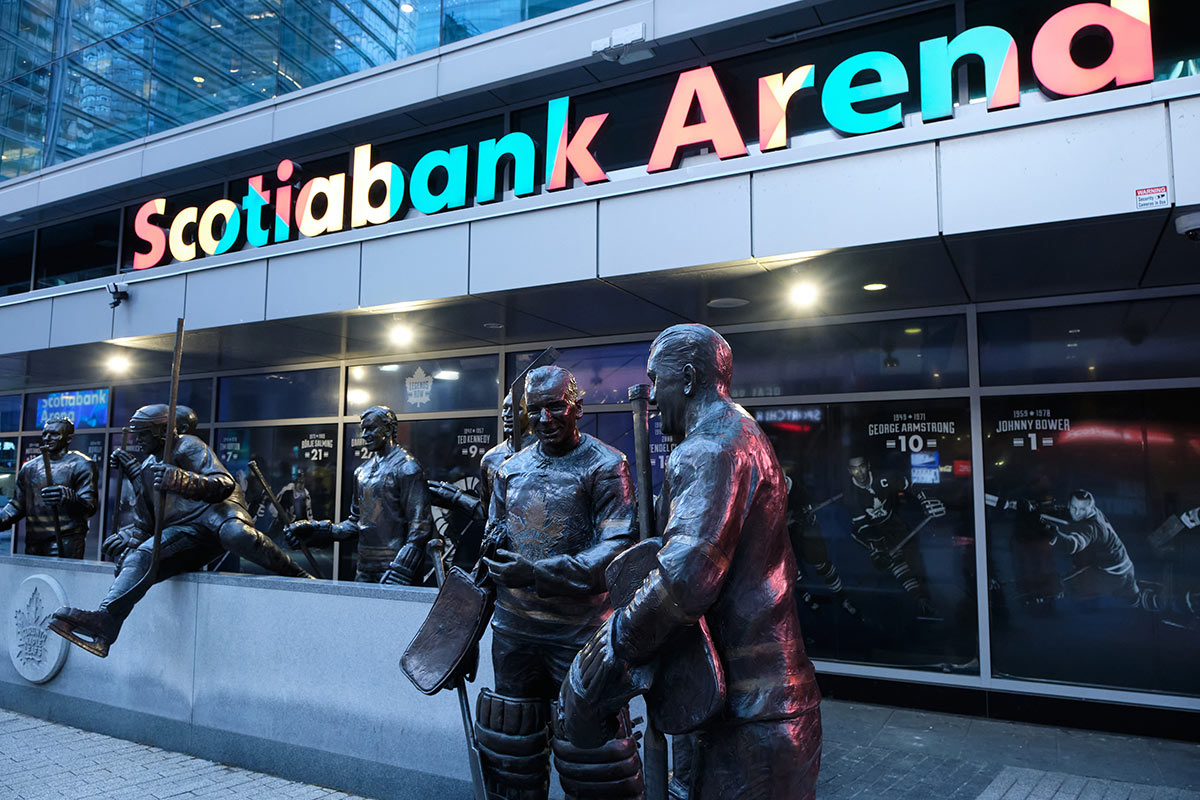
(380,192)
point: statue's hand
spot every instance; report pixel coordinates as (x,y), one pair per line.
(405,567)
(55,496)
(116,546)
(510,569)
(122,460)
(167,478)
(598,683)
(1191,519)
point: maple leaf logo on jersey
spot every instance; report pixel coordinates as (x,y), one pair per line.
(535,531)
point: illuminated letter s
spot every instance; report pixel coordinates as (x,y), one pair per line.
(150,233)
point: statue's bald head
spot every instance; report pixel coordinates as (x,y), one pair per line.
(698,345)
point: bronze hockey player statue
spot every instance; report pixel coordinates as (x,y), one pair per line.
(205,515)
(55,494)
(726,560)
(389,510)
(561,510)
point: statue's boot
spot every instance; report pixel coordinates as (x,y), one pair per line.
(94,631)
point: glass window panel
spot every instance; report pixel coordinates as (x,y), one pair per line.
(79,250)
(466,18)
(104,96)
(899,591)
(1104,475)
(278,395)
(10,412)
(87,408)
(26,36)
(604,372)
(8,483)
(448,450)
(326,39)
(1104,341)
(199,198)
(16,263)
(299,462)
(196,395)
(212,57)
(419,27)
(23,108)
(616,430)
(94,20)
(928,353)
(445,384)
(92,446)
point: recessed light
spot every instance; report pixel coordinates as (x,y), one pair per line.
(493,326)
(402,334)
(198,79)
(407,8)
(804,294)
(912,331)
(727,302)
(875,287)
(118,364)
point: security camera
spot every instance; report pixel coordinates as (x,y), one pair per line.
(1189,225)
(119,292)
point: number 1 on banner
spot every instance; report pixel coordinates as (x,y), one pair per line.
(1033,441)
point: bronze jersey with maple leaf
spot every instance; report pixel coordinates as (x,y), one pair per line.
(570,515)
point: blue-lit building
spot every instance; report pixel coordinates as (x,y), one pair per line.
(949,237)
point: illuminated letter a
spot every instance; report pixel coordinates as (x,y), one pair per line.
(1131,60)
(718,126)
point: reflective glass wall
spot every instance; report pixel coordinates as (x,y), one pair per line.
(79,76)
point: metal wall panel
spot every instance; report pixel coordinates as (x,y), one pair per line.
(420,265)
(685,226)
(356,99)
(19,198)
(1072,169)
(870,198)
(1185,148)
(95,175)
(25,326)
(211,303)
(80,318)
(152,307)
(313,282)
(252,130)
(552,245)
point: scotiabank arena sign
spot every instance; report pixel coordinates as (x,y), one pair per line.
(281,206)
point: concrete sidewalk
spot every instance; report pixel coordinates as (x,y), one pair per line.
(870,752)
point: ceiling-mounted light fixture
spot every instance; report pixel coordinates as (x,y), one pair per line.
(804,294)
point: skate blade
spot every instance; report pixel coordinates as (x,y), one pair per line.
(95,647)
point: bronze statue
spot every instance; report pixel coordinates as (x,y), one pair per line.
(55,494)
(389,510)
(727,563)
(204,515)
(561,510)
(492,460)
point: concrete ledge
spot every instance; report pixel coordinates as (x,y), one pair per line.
(295,678)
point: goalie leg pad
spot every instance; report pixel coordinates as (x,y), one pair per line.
(514,745)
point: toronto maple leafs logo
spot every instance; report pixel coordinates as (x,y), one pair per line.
(533,532)
(32,631)
(419,388)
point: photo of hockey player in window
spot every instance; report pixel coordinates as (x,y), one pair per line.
(880,517)
(1093,537)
